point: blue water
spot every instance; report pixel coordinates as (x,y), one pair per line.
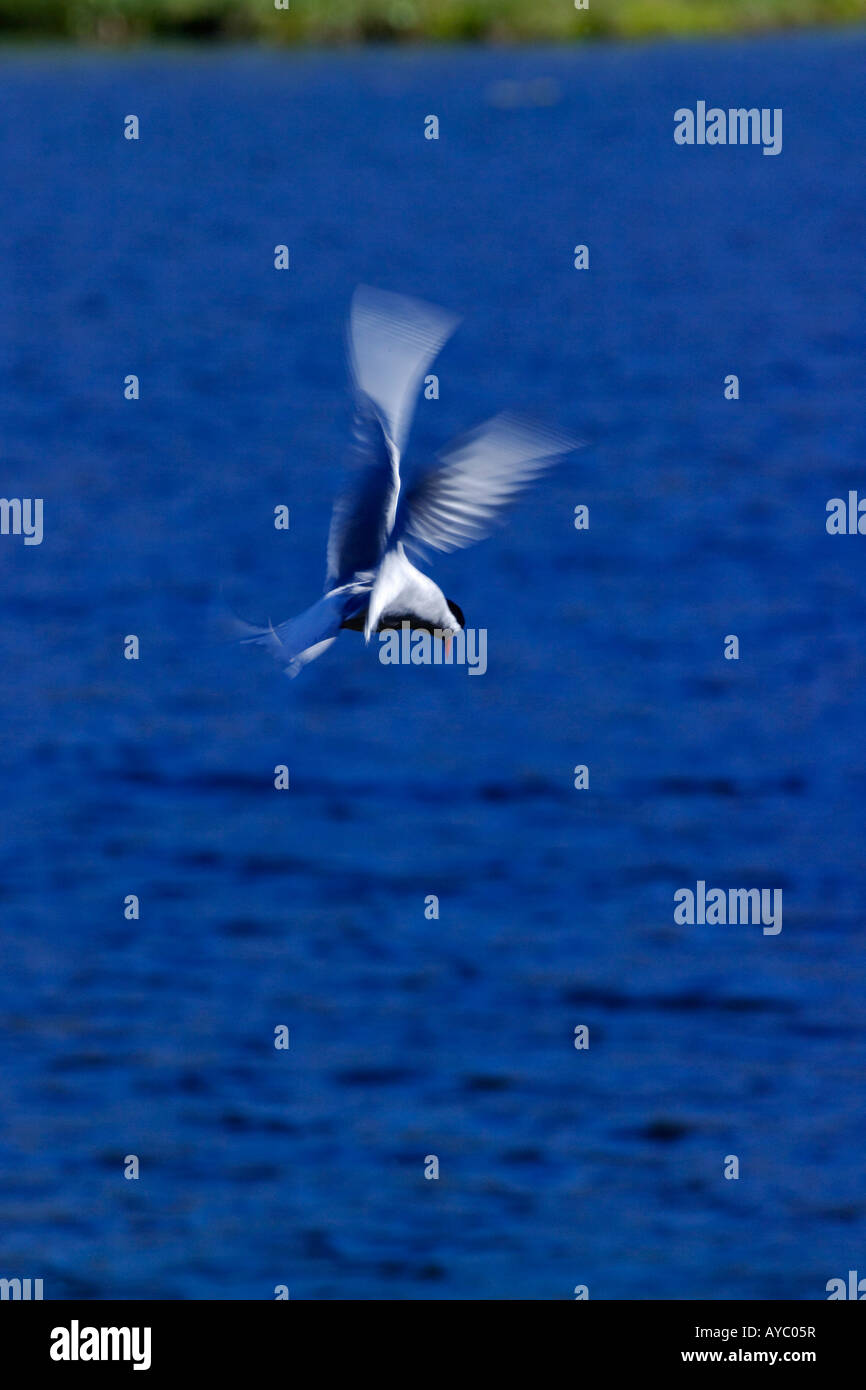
(412,1037)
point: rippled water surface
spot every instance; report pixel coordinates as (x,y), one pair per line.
(453,1037)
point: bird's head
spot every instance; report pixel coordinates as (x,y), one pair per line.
(457,624)
(457,614)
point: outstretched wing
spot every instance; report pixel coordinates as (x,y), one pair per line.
(458,502)
(392,341)
(364,512)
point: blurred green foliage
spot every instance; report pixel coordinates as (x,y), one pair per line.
(350,21)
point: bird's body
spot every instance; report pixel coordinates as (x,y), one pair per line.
(371,584)
(411,597)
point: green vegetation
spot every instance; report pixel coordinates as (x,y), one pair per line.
(348,21)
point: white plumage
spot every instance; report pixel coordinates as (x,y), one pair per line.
(370,581)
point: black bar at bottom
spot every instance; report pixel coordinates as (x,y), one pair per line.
(228,1338)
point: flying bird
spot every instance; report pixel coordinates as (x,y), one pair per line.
(371,584)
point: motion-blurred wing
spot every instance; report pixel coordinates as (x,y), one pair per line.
(364,512)
(458,502)
(392,340)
